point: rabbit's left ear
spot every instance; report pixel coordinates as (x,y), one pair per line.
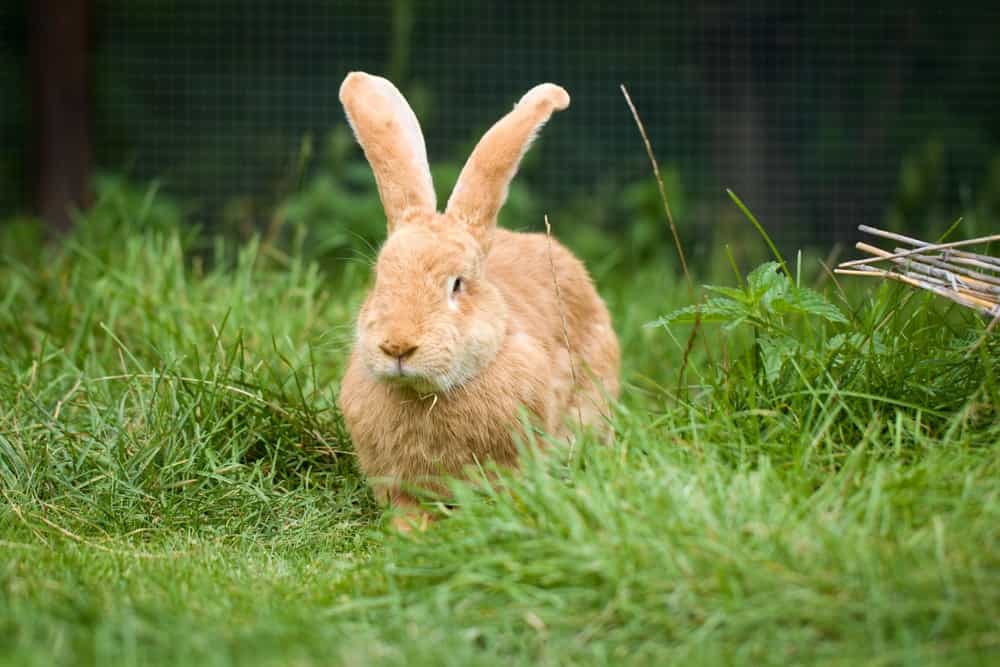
(390,135)
(482,186)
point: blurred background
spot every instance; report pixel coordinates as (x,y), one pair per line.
(821,116)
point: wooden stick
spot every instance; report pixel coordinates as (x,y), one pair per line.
(990,262)
(939,246)
(947,278)
(974,276)
(912,265)
(970,302)
(940,268)
(964,297)
(892,235)
(862,271)
(970,259)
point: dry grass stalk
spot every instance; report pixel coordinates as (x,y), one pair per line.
(936,267)
(565,328)
(670,223)
(663,191)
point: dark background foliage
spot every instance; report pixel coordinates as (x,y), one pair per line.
(822,116)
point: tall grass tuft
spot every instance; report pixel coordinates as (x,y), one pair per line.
(177,486)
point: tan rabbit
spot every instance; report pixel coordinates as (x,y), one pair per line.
(463,332)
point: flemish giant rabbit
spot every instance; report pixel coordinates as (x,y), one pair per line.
(463,328)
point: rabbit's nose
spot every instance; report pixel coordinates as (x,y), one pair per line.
(396,349)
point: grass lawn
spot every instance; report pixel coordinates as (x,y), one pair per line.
(820,486)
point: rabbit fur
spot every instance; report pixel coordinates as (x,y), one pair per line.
(462,333)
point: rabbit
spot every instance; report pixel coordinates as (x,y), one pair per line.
(463,331)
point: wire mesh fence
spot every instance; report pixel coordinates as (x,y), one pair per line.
(822,116)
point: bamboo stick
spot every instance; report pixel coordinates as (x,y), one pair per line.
(980,279)
(939,268)
(939,246)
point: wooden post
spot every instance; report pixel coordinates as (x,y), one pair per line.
(60,32)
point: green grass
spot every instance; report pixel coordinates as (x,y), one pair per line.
(179,489)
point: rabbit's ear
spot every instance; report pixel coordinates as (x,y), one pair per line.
(482,186)
(390,135)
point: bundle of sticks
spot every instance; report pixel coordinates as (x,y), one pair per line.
(966,278)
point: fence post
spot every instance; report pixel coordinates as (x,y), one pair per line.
(60,33)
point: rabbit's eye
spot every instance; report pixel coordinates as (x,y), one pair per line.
(456,285)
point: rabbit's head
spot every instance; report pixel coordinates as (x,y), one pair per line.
(433,319)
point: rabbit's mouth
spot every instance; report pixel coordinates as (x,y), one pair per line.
(400,374)
(423,373)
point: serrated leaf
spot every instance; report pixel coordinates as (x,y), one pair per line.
(729,326)
(804,301)
(733,293)
(766,282)
(713,310)
(774,353)
(768,295)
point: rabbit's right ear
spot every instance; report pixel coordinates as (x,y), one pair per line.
(390,135)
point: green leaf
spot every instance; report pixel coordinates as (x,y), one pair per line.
(804,301)
(766,282)
(733,293)
(774,352)
(713,310)
(769,294)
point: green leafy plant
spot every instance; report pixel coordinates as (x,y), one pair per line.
(767,302)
